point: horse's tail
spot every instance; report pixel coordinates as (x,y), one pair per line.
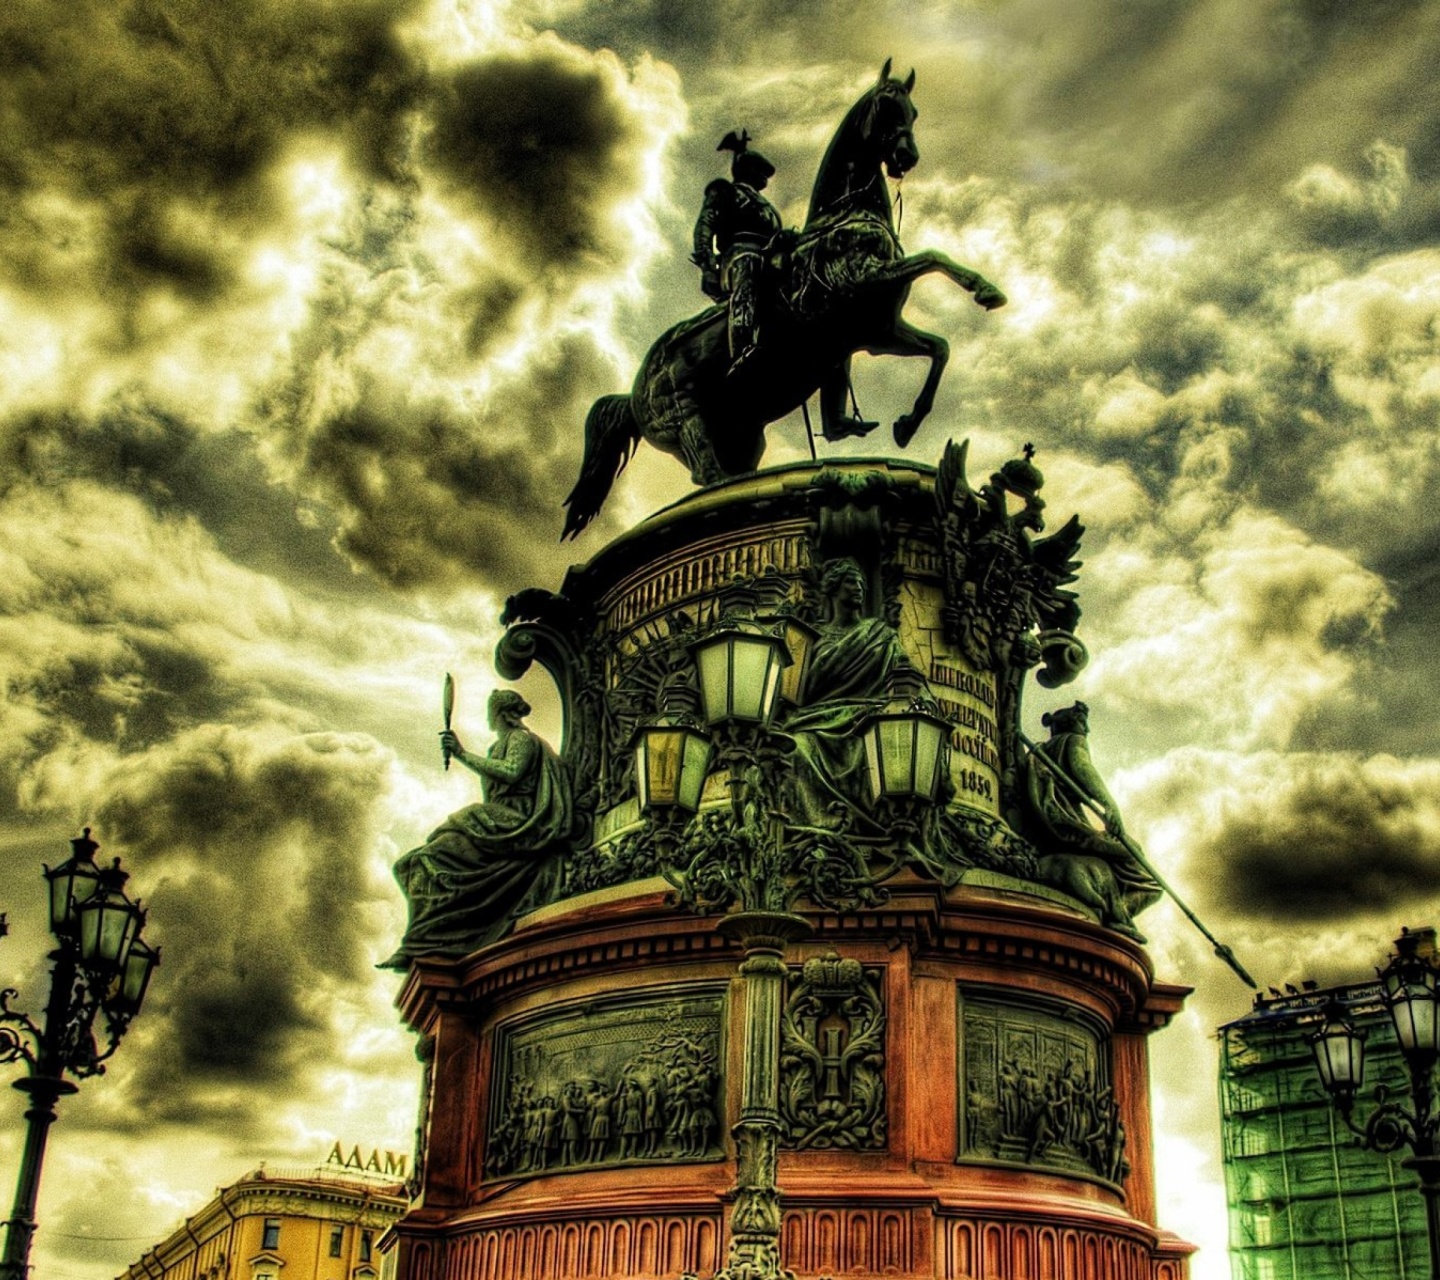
(611,433)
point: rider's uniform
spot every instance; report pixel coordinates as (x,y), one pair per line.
(735,226)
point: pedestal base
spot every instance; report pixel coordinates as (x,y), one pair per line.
(964,1094)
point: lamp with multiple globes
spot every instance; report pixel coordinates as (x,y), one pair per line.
(743,667)
(1410,991)
(99,972)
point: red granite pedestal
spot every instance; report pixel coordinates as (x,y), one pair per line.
(923,1204)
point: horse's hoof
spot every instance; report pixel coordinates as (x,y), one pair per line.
(848,427)
(905,429)
(989,297)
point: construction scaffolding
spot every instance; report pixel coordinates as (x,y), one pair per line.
(1306,1201)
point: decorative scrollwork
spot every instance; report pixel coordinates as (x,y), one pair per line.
(19,1037)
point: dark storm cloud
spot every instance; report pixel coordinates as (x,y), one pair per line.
(541,145)
(179,470)
(158,115)
(1306,838)
(702,36)
(427,497)
(1208,99)
(251,850)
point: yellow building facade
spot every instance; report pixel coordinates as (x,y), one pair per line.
(281,1224)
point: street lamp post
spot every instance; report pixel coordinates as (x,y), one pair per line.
(1410,989)
(100,966)
(741,666)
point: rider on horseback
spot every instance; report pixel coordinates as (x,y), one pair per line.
(735,227)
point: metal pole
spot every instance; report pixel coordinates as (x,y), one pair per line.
(1428,1169)
(44,1092)
(1424,1160)
(754,1252)
(45,1087)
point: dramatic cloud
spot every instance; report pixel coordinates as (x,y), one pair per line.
(301,309)
(257,848)
(1300,838)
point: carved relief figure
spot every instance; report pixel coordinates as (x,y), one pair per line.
(1094,866)
(659,1103)
(488,863)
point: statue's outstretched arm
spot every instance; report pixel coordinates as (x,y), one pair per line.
(519,755)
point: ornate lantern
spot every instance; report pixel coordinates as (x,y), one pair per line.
(799,640)
(906,745)
(740,665)
(1409,986)
(108,922)
(140,962)
(72,883)
(1339,1049)
(672,759)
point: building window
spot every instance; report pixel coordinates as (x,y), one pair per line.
(337,1241)
(365,1246)
(271,1238)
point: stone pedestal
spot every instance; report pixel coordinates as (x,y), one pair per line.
(963,1077)
(583,990)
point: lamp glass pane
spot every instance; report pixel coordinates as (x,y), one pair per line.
(71,883)
(713,662)
(872,757)
(59,900)
(897,755)
(1340,1057)
(135,977)
(663,773)
(106,926)
(89,922)
(756,677)
(692,772)
(1412,1008)
(929,743)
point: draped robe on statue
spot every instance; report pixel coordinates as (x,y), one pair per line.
(487,864)
(849,679)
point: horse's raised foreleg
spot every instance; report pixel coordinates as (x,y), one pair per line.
(906,340)
(929,261)
(835,422)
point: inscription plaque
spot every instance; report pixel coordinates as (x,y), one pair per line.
(968,700)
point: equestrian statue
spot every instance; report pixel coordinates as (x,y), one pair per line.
(792,308)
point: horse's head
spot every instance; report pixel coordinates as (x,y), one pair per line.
(888,126)
(877,131)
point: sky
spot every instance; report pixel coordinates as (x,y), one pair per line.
(302,305)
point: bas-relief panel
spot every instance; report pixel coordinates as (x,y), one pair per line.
(1036,1089)
(629,1079)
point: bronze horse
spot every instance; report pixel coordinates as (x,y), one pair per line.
(839,289)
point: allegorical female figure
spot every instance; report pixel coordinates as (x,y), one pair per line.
(488,863)
(852,667)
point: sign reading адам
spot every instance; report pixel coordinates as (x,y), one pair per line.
(391,1162)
